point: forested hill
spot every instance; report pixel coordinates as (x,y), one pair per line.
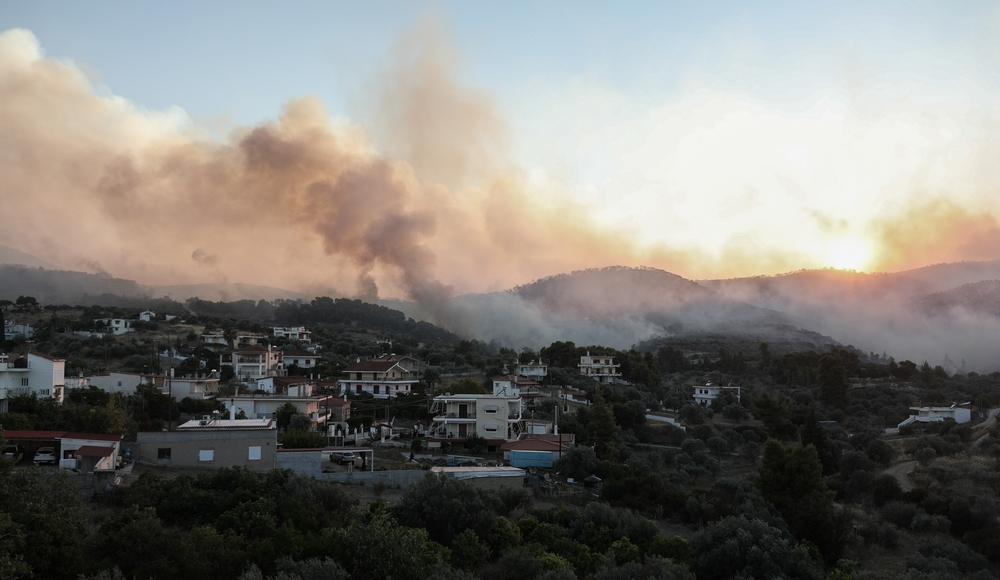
(615,291)
(60,286)
(326,311)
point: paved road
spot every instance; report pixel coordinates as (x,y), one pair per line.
(899,471)
(991,418)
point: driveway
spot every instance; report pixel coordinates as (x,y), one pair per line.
(899,471)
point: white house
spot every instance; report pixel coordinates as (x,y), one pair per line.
(319,408)
(513,385)
(125,383)
(12,331)
(116,326)
(298,333)
(252,363)
(196,387)
(496,418)
(147,316)
(300,358)
(933,414)
(705,394)
(601,368)
(387,376)
(37,373)
(535,371)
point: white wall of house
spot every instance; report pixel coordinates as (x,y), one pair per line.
(44,377)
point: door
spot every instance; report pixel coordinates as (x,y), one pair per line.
(463,430)
(463,411)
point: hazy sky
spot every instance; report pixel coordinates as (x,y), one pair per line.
(710,139)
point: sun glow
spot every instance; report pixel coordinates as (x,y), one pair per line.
(848,254)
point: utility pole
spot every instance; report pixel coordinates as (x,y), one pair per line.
(558,415)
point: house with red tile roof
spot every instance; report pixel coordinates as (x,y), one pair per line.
(384,377)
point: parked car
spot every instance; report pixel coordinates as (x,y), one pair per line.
(13,451)
(45,455)
(342,457)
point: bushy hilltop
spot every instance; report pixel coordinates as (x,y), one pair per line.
(615,291)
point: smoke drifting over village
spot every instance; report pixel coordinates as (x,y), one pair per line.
(426,202)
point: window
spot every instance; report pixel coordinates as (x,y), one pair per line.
(163,453)
(376,389)
(357,377)
(491,409)
(357,388)
(24,382)
(206,455)
(254,453)
(492,428)
(295,361)
(119,383)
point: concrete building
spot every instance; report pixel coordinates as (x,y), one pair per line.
(513,385)
(704,395)
(126,383)
(115,326)
(957,413)
(147,316)
(252,363)
(196,387)
(387,376)
(497,418)
(303,359)
(36,373)
(318,408)
(298,333)
(215,342)
(601,368)
(212,444)
(534,371)
(12,330)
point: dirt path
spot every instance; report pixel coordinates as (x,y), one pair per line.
(899,471)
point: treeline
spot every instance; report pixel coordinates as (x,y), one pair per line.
(343,312)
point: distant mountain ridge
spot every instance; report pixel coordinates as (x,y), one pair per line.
(615,291)
(14,257)
(977,297)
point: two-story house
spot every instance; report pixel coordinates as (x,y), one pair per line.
(705,394)
(115,326)
(298,333)
(601,368)
(535,371)
(319,408)
(303,359)
(496,418)
(12,330)
(959,414)
(254,362)
(36,373)
(387,376)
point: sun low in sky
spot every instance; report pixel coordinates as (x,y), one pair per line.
(412,148)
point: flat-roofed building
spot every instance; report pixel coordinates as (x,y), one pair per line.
(211,444)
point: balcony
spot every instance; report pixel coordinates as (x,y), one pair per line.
(455,418)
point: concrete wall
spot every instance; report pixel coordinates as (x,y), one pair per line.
(231,448)
(307,462)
